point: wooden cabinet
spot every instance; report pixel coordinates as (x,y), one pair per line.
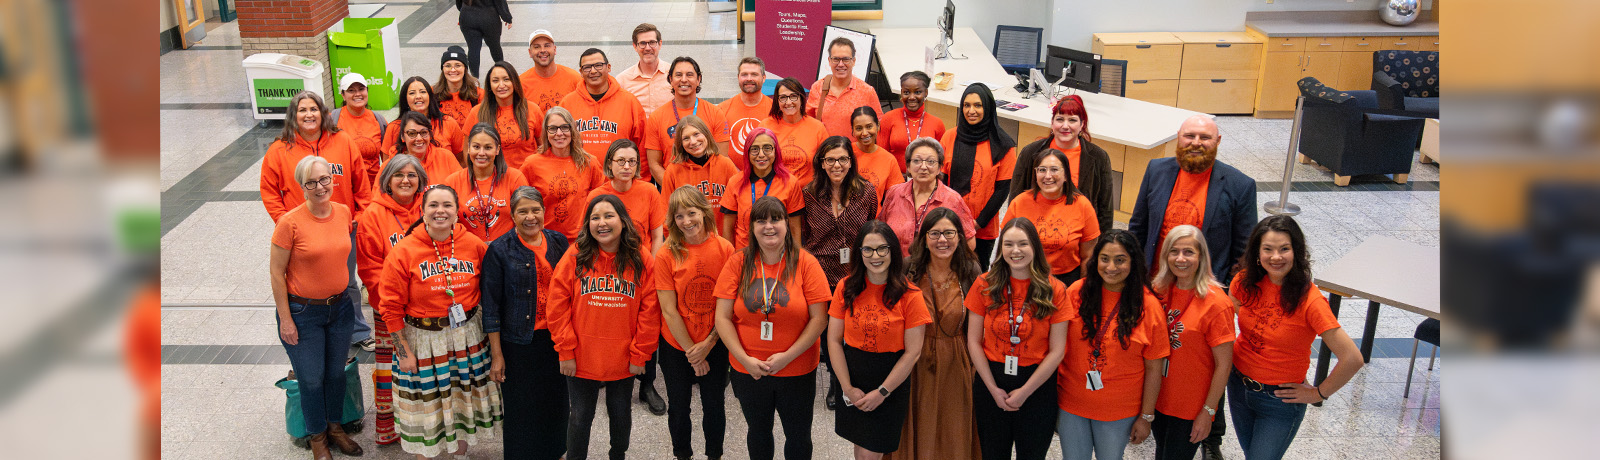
(1276,88)
(1355,71)
(1164,92)
(1217,95)
(1150,55)
(1228,55)
(1341,62)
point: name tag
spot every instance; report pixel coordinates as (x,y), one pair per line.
(1093,382)
(844,255)
(458,315)
(1011,365)
(766,330)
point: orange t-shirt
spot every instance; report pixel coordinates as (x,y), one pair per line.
(1062,227)
(439,164)
(414,276)
(1121,369)
(874,328)
(985,175)
(880,169)
(602,319)
(799,142)
(1074,158)
(1187,205)
(458,109)
(565,189)
(745,194)
(547,92)
(365,131)
(515,147)
(1274,349)
(693,281)
(317,250)
(1034,332)
(711,179)
(1206,322)
(541,320)
(446,133)
(280,192)
(897,131)
(791,311)
(646,207)
(662,131)
(379,228)
(741,120)
(617,115)
(485,207)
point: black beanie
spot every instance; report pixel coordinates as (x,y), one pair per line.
(453,53)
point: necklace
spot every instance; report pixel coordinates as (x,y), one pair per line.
(447,265)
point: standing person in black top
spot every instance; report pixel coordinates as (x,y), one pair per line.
(480,23)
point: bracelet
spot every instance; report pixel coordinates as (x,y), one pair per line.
(1319,393)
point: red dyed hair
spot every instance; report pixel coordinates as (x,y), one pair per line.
(1072,104)
(779,171)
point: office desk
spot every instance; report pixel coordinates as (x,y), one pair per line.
(1131,131)
(1385,271)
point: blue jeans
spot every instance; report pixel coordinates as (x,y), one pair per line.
(361,329)
(318,360)
(1265,424)
(1081,436)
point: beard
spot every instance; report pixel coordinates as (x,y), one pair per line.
(1196,165)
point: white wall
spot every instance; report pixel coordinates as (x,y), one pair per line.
(1073,23)
(169,18)
(981,15)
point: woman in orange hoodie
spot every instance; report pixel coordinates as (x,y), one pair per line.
(418,97)
(429,294)
(488,183)
(698,161)
(563,172)
(517,120)
(377,230)
(420,142)
(605,322)
(364,126)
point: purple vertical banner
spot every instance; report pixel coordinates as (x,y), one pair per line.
(789,36)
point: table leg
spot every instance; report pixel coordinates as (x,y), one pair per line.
(1372,328)
(1325,352)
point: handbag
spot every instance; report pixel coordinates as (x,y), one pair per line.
(354,405)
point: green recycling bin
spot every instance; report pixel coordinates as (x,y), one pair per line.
(370,47)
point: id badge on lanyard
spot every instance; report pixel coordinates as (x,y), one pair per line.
(458,315)
(1011,365)
(1092,383)
(766,330)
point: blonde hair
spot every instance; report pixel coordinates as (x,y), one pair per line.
(679,155)
(303,168)
(687,197)
(580,158)
(1202,271)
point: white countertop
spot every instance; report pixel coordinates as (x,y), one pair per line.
(1335,24)
(1388,271)
(1116,119)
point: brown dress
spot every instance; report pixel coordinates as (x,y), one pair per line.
(940,423)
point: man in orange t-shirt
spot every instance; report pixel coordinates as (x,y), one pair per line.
(684,74)
(746,111)
(602,112)
(1194,188)
(839,93)
(547,82)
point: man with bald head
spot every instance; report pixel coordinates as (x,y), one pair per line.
(1194,188)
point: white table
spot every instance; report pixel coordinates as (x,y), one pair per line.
(1131,131)
(1385,271)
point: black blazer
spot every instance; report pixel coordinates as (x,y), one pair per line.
(1230,212)
(1094,180)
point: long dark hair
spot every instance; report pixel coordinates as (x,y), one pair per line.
(424,199)
(499,158)
(768,208)
(1068,189)
(627,250)
(418,118)
(434,113)
(895,286)
(821,187)
(1130,304)
(519,105)
(964,263)
(1296,283)
(792,85)
(1041,295)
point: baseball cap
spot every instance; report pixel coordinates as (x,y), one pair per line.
(351,79)
(540,32)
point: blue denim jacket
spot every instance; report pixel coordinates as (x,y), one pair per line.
(510,285)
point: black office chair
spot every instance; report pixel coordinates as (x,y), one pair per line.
(1017,47)
(1114,77)
(1428,331)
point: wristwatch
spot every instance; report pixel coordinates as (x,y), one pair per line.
(1148,417)
(882,390)
(1209,411)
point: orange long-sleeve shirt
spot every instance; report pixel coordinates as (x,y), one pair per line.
(280,192)
(457,108)
(711,179)
(515,147)
(603,319)
(413,278)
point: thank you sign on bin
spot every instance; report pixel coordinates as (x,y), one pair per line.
(789,36)
(273,94)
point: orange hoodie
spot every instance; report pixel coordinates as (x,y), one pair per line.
(413,279)
(512,145)
(367,134)
(280,192)
(603,320)
(378,229)
(617,115)
(446,133)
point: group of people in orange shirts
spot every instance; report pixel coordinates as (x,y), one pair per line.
(530,242)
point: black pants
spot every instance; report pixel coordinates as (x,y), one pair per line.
(585,395)
(985,250)
(1029,429)
(792,398)
(535,395)
(1172,437)
(480,29)
(680,380)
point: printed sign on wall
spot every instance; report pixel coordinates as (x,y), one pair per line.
(789,36)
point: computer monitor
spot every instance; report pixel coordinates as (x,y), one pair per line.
(947,30)
(1081,69)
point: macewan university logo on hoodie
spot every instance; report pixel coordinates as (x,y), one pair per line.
(606,284)
(709,189)
(596,124)
(436,268)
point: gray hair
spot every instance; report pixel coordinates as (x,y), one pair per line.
(925,141)
(303,169)
(397,163)
(525,193)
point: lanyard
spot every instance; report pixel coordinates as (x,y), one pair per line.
(1013,319)
(763,191)
(767,291)
(677,117)
(449,265)
(1095,359)
(907,126)
(479,212)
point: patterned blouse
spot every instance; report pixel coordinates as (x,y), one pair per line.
(826,234)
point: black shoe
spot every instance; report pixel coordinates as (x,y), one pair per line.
(366,344)
(1210,451)
(832,401)
(653,400)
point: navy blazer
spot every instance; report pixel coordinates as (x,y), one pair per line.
(510,284)
(1230,212)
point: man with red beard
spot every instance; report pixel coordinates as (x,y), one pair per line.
(1194,188)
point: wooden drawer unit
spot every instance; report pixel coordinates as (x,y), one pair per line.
(1220,55)
(1365,44)
(1324,44)
(1285,44)
(1164,92)
(1150,55)
(1217,95)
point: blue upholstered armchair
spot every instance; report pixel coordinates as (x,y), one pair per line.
(1407,80)
(1346,132)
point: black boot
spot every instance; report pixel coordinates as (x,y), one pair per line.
(652,399)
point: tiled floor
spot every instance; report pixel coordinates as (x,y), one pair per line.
(215,287)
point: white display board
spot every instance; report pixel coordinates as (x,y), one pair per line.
(863,41)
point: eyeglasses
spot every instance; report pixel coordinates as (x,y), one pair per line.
(593,67)
(312,184)
(417,133)
(789,97)
(411,176)
(626,162)
(650,43)
(558,128)
(880,251)
(943,235)
(1045,170)
(840,60)
(924,162)
(769,148)
(836,161)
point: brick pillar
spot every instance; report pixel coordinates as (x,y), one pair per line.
(298,27)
